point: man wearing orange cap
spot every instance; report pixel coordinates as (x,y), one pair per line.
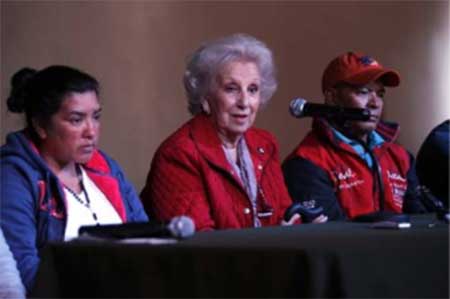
(353,168)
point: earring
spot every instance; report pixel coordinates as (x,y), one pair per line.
(205,107)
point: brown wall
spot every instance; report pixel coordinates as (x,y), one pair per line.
(137,49)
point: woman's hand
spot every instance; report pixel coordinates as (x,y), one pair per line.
(293,220)
(321,219)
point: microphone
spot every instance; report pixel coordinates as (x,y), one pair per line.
(301,108)
(179,227)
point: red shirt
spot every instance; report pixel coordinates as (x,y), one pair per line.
(191,176)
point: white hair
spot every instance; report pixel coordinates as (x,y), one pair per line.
(207,61)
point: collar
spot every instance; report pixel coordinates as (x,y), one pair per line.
(374,139)
(388,131)
(207,140)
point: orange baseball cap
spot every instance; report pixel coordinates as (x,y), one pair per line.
(357,69)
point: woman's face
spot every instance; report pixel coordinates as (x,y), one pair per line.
(73,131)
(235,99)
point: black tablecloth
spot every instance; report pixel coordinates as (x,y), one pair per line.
(336,259)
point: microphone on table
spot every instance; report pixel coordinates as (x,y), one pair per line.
(301,108)
(179,227)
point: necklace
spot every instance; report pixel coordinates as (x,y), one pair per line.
(86,203)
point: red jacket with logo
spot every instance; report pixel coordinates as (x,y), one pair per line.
(190,175)
(324,171)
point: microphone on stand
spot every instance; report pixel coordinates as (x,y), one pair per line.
(301,108)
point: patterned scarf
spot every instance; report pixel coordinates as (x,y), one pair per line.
(246,172)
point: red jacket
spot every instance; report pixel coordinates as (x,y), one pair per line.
(325,171)
(191,176)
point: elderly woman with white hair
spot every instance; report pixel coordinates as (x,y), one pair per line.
(217,168)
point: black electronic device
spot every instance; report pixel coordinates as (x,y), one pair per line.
(308,214)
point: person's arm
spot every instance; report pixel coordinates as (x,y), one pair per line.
(413,199)
(432,163)
(310,184)
(175,187)
(10,285)
(18,219)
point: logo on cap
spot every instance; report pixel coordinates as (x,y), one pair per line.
(367,60)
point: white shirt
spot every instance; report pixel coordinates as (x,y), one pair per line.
(78,214)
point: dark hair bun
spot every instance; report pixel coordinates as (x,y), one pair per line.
(19,85)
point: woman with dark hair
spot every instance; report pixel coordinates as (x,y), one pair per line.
(53,177)
(217,168)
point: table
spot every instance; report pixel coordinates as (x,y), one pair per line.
(336,259)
